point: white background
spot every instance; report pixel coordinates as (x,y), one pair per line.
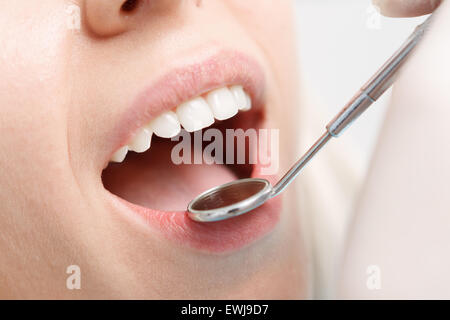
(341,44)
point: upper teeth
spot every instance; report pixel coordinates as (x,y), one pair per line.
(193,115)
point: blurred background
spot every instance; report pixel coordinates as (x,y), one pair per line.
(341,44)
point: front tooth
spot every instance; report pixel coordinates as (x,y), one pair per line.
(222,103)
(166,125)
(141,141)
(120,154)
(195,115)
(242,99)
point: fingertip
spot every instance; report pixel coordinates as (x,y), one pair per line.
(406,8)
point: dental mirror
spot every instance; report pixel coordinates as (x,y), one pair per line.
(242,196)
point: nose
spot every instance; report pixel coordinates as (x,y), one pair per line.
(109,17)
(106,18)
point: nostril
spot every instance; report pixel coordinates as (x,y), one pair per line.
(129,5)
(108,18)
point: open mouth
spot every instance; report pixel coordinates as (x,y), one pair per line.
(180,117)
(147,170)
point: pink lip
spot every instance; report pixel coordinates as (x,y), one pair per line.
(223,69)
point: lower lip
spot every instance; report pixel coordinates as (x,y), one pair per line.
(213,237)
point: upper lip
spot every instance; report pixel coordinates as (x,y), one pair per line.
(224,68)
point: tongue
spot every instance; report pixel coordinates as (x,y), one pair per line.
(152,179)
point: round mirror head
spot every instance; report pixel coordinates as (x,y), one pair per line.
(230,200)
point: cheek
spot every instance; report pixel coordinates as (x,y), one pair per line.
(32,90)
(269,21)
(278,42)
(31,62)
(271,24)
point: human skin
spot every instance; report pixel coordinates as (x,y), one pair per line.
(62,91)
(406,8)
(398,242)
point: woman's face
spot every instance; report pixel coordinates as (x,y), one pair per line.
(75,91)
